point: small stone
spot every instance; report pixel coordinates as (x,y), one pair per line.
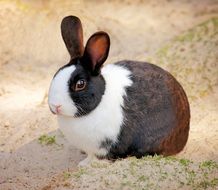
(6,124)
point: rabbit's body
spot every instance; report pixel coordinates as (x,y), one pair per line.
(156,114)
(121,109)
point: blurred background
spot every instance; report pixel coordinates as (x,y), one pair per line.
(179,35)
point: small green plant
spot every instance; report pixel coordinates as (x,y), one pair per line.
(80,172)
(208,183)
(210,164)
(190,177)
(170,159)
(47,140)
(185,162)
(143,178)
(67,175)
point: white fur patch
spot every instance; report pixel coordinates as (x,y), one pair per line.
(87,132)
(58,92)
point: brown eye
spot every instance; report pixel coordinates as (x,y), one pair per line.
(80,85)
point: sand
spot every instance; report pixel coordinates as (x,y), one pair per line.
(32,50)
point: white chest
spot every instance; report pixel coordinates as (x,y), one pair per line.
(87,133)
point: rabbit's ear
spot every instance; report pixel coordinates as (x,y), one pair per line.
(72,33)
(96,51)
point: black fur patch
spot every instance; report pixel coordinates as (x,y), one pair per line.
(148,112)
(86,100)
(106,144)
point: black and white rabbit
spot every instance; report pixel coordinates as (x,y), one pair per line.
(122,109)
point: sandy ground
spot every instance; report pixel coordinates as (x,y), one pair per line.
(31,50)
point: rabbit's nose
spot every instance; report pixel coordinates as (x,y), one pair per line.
(58,107)
(55,109)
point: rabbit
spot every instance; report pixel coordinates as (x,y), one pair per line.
(128,108)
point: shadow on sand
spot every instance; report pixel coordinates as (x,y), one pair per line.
(37,163)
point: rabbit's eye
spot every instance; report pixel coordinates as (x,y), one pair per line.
(80,85)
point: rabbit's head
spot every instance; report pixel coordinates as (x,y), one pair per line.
(77,87)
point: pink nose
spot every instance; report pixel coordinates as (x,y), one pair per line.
(55,109)
(58,108)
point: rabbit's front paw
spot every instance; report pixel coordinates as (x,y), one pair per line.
(86,161)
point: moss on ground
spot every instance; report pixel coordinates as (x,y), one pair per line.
(147,173)
(47,140)
(192,58)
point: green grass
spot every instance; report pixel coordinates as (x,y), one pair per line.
(205,184)
(150,172)
(47,140)
(184,162)
(67,175)
(80,172)
(210,164)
